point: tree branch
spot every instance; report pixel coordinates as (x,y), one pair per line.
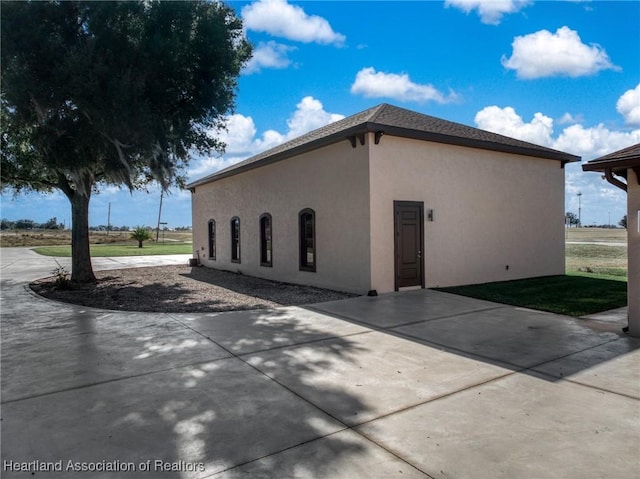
(11,179)
(64,186)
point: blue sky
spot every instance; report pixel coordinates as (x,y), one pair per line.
(560,74)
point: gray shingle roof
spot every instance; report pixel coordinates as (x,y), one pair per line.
(395,121)
(629,153)
(617,162)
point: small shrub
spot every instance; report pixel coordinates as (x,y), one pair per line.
(140,234)
(61,275)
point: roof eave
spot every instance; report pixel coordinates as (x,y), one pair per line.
(614,164)
(474,143)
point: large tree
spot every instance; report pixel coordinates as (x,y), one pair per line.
(97,93)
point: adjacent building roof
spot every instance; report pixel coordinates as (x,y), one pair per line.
(387,119)
(617,161)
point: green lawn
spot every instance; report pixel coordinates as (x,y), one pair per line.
(102,250)
(573,294)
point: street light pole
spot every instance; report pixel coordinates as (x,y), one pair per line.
(579,208)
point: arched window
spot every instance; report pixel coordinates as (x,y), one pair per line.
(235,239)
(265,240)
(307,235)
(212,239)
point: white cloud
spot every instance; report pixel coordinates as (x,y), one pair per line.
(240,137)
(308,116)
(569,119)
(239,134)
(589,143)
(279,18)
(629,106)
(490,12)
(242,140)
(546,54)
(595,141)
(372,84)
(507,122)
(269,55)
(201,167)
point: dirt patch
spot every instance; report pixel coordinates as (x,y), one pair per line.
(183,289)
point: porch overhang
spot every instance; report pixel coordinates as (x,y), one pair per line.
(614,169)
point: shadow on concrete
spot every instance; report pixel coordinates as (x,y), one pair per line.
(131,398)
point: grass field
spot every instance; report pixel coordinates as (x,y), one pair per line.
(597,260)
(104,250)
(60,238)
(597,235)
(595,257)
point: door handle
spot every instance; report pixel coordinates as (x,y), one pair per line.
(419,254)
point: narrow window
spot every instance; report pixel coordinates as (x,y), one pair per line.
(235,240)
(265,240)
(212,239)
(307,219)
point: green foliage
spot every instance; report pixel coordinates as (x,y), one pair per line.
(51,224)
(115,92)
(623,222)
(140,234)
(571,219)
(96,93)
(61,276)
(24,224)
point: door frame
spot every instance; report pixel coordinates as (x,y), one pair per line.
(396,236)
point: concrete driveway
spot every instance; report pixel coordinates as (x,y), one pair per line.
(414,384)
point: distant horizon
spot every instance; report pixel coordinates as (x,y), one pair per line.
(38,226)
(613,225)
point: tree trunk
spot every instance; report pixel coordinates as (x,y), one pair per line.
(81,268)
(139,244)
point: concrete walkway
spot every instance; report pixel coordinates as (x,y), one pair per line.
(414,384)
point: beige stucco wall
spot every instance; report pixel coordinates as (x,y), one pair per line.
(333,181)
(491,210)
(633,234)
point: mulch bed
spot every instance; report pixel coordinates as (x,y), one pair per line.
(182,289)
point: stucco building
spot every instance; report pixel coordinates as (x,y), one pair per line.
(622,169)
(385,199)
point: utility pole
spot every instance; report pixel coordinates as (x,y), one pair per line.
(109,219)
(579,208)
(159,215)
